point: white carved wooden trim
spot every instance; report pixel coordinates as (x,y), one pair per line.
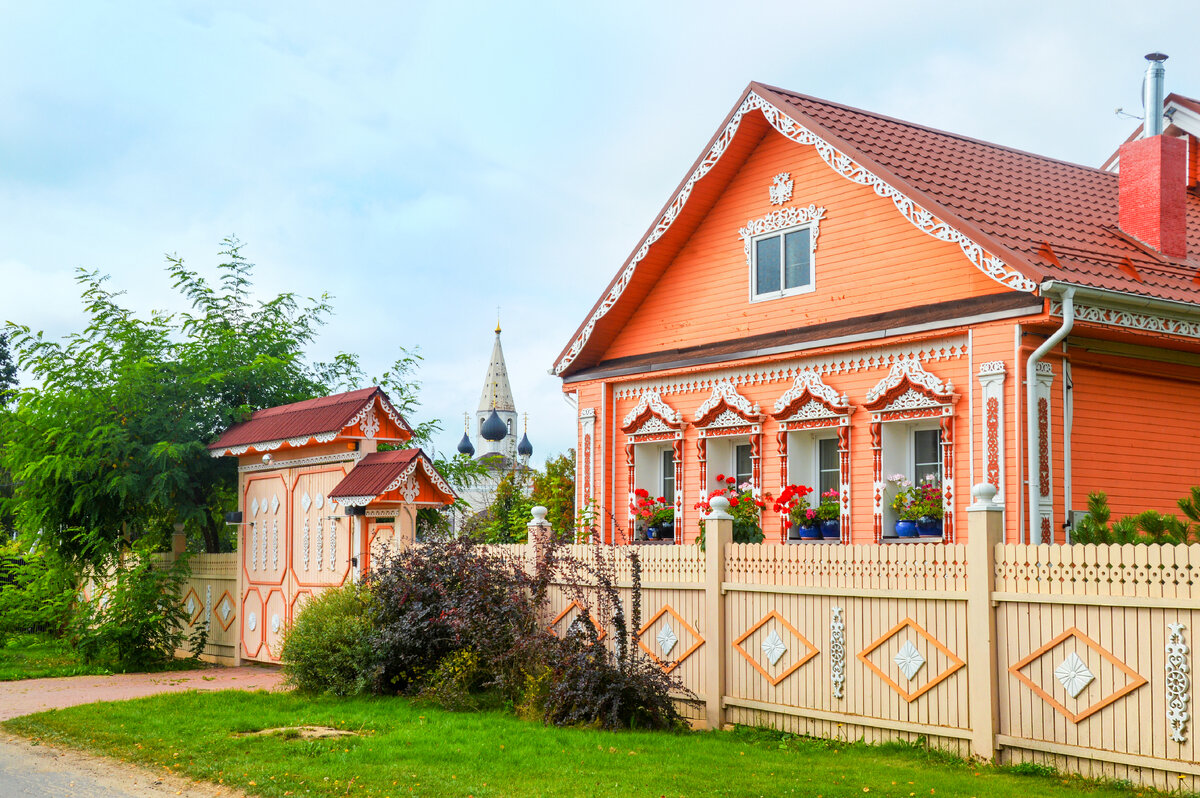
(922,219)
(652,401)
(1130,320)
(882,357)
(780,190)
(837,653)
(726,392)
(782,219)
(1179,683)
(910,368)
(337,457)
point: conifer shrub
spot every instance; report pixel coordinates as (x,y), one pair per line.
(327,649)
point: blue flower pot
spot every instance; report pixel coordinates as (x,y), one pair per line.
(831,530)
(653,532)
(812,532)
(906,529)
(929,527)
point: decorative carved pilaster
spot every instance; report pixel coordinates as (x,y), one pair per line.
(876,428)
(1045,455)
(991,382)
(844,477)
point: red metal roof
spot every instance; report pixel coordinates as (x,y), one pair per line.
(1045,218)
(326,414)
(378,472)
(372,474)
(1061,218)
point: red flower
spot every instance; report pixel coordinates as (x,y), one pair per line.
(720,477)
(730,481)
(642,492)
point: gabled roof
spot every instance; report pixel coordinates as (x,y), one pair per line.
(381,472)
(1018,217)
(299,423)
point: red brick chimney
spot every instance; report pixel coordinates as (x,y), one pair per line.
(1153,193)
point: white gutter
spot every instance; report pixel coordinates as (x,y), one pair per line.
(1034,532)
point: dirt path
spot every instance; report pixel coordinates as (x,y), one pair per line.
(27,769)
(36,695)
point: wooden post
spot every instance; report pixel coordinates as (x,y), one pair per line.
(540,535)
(718,533)
(985,530)
(178,541)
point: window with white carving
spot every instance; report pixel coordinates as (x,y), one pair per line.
(781,263)
(667,471)
(914,450)
(729,457)
(927,455)
(813,461)
(654,469)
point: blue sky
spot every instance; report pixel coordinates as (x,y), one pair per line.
(426,163)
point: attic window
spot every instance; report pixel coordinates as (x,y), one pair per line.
(779,252)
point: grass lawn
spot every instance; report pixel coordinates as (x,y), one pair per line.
(414,749)
(39,656)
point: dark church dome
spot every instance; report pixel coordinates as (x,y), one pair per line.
(525,448)
(494,429)
(465,446)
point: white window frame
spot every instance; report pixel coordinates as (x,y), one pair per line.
(908,457)
(806,288)
(780,223)
(729,458)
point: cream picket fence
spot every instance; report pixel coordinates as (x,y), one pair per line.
(1077,657)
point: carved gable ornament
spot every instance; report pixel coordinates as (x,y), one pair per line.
(911,391)
(651,416)
(725,407)
(810,399)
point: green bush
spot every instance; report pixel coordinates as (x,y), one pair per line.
(37,593)
(136,622)
(327,650)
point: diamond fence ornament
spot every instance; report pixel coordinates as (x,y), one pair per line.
(252,621)
(666,639)
(1073,674)
(909,660)
(773,647)
(305,501)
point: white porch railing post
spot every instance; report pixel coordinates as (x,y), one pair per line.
(718,534)
(985,530)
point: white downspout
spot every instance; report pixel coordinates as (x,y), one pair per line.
(1034,531)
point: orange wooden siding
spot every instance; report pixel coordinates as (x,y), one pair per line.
(869,259)
(1136,436)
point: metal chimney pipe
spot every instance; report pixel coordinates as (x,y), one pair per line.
(1153,99)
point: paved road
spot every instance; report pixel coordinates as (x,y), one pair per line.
(27,769)
(38,770)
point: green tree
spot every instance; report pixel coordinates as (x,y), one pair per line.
(113,439)
(8,373)
(554,489)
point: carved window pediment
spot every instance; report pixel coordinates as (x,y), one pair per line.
(810,398)
(727,408)
(908,386)
(651,416)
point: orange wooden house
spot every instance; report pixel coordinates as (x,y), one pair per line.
(317,500)
(831,297)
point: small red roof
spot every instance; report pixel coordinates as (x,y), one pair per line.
(324,415)
(380,472)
